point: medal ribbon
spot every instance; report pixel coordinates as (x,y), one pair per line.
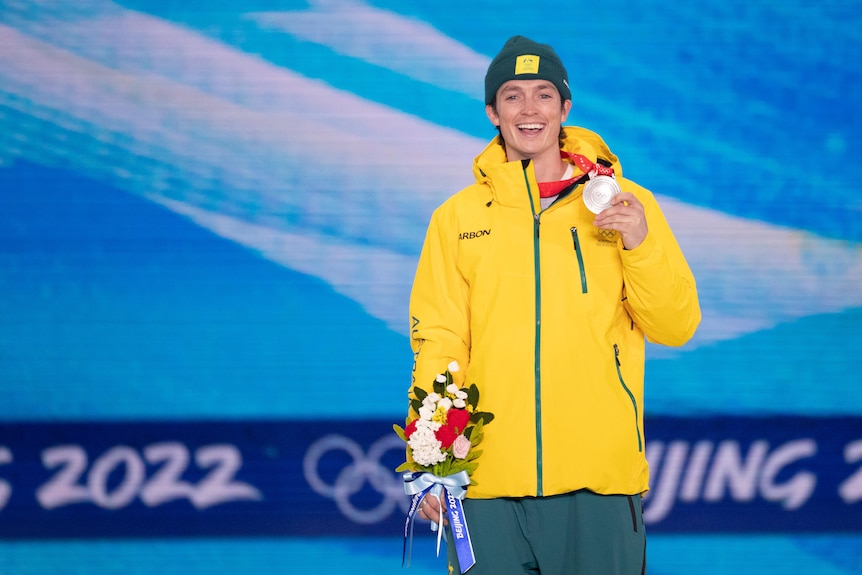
(549,189)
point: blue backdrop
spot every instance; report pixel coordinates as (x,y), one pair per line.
(210,215)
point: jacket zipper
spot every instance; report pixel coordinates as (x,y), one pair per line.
(630,394)
(538,344)
(580,255)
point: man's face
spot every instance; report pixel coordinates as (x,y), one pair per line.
(529,114)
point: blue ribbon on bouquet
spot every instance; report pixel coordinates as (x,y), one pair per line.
(452,488)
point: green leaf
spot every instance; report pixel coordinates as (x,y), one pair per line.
(477,433)
(407,466)
(419,393)
(473,395)
(415,404)
(468,467)
(482,416)
(476,438)
(400,432)
(439,388)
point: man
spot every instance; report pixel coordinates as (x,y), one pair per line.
(547,306)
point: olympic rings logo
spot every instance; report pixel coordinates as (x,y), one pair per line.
(364,468)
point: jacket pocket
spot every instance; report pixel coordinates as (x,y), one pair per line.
(630,394)
(580,255)
(633,511)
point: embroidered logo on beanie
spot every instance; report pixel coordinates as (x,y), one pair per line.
(527,64)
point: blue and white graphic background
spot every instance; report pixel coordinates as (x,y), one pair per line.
(212,211)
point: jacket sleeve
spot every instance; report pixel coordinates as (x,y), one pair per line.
(661,294)
(439,316)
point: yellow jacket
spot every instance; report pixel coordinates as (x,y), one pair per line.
(547,315)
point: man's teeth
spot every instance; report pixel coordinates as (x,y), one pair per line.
(530,127)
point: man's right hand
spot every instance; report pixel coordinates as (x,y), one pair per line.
(429,508)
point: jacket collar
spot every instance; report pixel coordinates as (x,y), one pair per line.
(510,182)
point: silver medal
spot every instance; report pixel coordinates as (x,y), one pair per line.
(598,192)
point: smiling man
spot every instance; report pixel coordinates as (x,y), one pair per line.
(548,309)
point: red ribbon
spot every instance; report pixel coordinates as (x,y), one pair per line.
(550,189)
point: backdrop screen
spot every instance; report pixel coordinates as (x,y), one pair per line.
(210,217)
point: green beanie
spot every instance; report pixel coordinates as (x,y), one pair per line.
(524,59)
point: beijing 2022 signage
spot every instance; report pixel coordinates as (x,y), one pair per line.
(306,478)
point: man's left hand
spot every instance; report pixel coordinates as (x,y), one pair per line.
(625,215)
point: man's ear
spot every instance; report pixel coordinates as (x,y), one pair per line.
(492,114)
(567,107)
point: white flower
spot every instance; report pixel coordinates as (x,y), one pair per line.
(428,424)
(459,403)
(461,394)
(426,413)
(452,388)
(425,447)
(445,403)
(453,366)
(431,399)
(440,378)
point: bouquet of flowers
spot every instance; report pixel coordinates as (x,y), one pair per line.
(442,439)
(441,456)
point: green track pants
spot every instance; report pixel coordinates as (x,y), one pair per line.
(579,533)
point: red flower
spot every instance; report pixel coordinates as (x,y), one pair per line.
(411,427)
(458,419)
(446,435)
